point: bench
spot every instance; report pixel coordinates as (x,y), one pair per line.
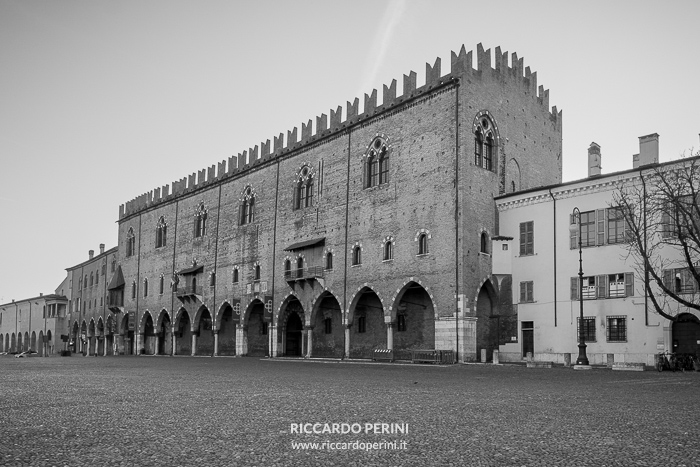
(432,356)
(539,365)
(425,356)
(624,366)
(383,354)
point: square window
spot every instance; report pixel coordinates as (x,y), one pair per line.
(617,329)
(588,328)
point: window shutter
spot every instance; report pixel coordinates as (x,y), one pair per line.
(600,222)
(573,234)
(668,279)
(629,284)
(530,237)
(530,296)
(523,238)
(601,283)
(574,288)
(523,292)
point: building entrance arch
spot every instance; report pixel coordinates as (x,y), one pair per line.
(487,321)
(328,333)
(227,330)
(686,334)
(257,330)
(413,321)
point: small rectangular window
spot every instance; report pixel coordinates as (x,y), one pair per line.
(401,323)
(327,326)
(617,328)
(361,325)
(588,328)
(526,292)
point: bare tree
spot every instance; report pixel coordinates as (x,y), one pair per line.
(661,212)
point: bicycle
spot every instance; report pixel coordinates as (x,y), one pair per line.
(667,361)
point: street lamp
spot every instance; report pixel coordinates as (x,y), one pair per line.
(582,358)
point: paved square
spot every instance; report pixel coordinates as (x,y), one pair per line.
(240,411)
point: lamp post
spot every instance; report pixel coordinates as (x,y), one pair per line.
(582,358)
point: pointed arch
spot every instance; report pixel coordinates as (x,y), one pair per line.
(486,140)
(142,322)
(411,282)
(486,305)
(513,176)
(355,298)
(316,302)
(162,314)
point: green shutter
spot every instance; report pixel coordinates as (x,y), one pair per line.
(523,296)
(629,284)
(574,288)
(573,233)
(601,286)
(523,237)
(668,279)
(600,226)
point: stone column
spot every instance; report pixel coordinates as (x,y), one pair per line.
(216,342)
(309,340)
(390,336)
(347,340)
(173,341)
(194,343)
(139,343)
(155,351)
(273,341)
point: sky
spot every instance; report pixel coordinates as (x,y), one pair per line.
(101,101)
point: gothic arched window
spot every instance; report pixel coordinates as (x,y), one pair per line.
(304,188)
(377,163)
(484,142)
(161,231)
(423,244)
(200,221)
(130,242)
(357,255)
(484,243)
(247,207)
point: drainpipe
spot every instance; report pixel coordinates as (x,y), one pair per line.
(271,337)
(138,292)
(172,292)
(457,222)
(216,253)
(554,248)
(646,268)
(345,276)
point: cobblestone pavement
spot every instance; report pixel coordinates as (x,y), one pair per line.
(240,411)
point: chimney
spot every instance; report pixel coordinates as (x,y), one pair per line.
(41,294)
(594,166)
(648,149)
(91,253)
(102,248)
(635,161)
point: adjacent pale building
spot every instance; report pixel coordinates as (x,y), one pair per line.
(539,251)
